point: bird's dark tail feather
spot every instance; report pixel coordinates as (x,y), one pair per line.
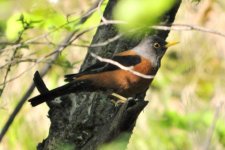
(60,91)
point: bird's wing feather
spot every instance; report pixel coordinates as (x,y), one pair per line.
(125,60)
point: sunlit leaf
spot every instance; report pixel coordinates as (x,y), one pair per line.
(14,26)
(63,62)
(140,13)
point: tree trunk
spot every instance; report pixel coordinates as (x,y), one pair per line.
(86,120)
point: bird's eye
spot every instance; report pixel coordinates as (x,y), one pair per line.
(156,45)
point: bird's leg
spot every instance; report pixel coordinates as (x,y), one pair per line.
(121,99)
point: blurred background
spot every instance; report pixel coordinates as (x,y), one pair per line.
(186,109)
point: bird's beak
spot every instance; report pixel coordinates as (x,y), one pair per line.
(171,43)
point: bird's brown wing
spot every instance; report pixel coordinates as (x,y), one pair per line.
(125,60)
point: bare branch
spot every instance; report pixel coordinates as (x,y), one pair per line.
(177,27)
(100,12)
(187,27)
(130,69)
(10,65)
(15,62)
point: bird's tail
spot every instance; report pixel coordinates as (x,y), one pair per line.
(60,91)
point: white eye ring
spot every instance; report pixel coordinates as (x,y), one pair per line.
(156,45)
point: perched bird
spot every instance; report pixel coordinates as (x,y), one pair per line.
(144,58)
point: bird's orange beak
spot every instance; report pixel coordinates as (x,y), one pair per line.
(171,43)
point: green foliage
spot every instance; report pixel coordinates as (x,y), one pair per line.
(95,17)
(21,133)
(157,135)
(42,19)
(205,89)
(188,122)
(64,63)
(138,14)
(2,27)
(220,131)
(14,26)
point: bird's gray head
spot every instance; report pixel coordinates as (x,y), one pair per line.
(152,48)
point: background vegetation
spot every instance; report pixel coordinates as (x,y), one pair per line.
(186,108)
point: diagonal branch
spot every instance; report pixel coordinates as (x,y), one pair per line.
(130,69)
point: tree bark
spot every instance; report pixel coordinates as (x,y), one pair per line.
(86,120)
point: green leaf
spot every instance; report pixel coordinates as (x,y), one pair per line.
(14,26)
(63,62)
(140,13)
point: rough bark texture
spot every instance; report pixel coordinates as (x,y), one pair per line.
(86,120)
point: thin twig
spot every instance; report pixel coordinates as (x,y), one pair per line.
(130,69)
(100,44)
(178,27)
(187,27)
(15,62)
(85,31)
(213,125)
(11,59)
(8,70)
(100,12)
